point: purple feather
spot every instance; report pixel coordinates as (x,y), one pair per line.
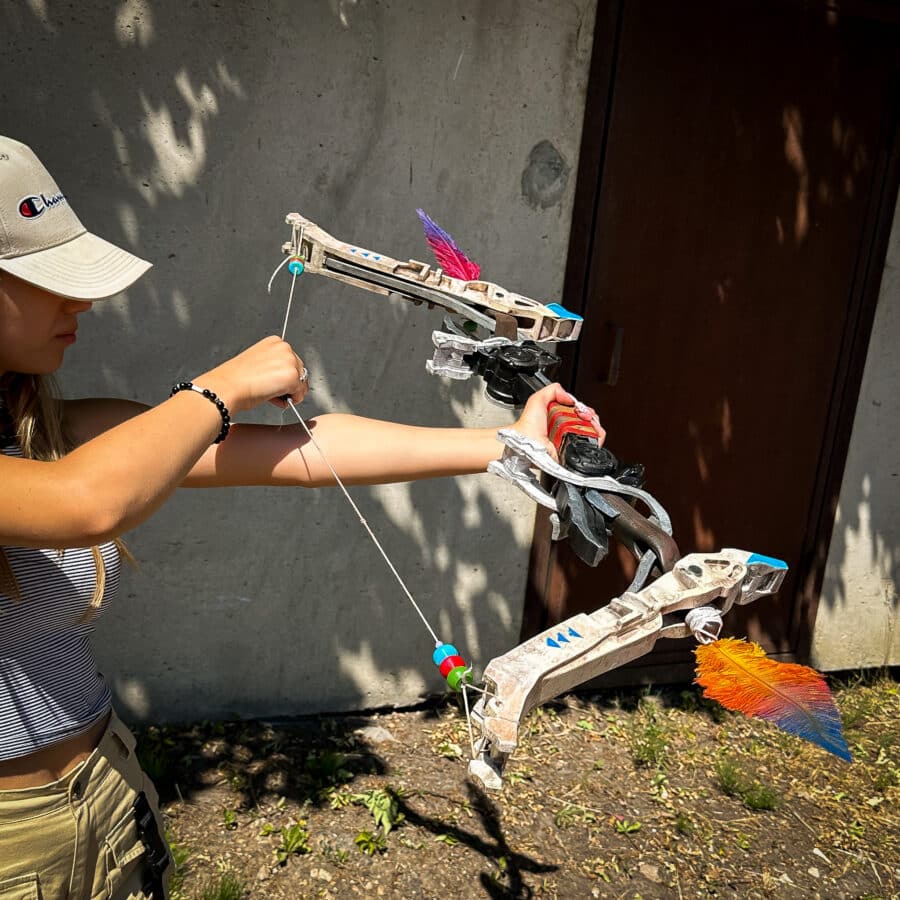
(451,259)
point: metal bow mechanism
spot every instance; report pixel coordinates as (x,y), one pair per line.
(494,333)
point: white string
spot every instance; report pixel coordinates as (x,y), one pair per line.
(469,719)
(364,523)
(705,623)
(340,484)
(287,312)
(278,268)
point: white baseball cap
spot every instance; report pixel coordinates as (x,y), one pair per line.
(43,242)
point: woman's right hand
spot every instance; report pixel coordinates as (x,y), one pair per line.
(130,459)
(267,371)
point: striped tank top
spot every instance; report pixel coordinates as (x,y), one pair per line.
(50,688)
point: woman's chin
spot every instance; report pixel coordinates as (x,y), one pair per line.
(39,367)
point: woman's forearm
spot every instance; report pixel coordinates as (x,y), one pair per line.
(129,459)
(362,451)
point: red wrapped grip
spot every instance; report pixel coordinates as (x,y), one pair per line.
(563,420)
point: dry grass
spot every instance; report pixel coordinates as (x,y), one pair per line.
(609,796)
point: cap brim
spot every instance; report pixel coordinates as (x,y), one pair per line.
(85,268)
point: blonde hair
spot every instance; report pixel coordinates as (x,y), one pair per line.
(32,408)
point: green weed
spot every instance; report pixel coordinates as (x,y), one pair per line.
(384,806)
(156,752)
(570,815)
(370,842)
(325,769)
(227,887)
(339,799)
(753,794)
(744,841)
(294,842)
(519,776)
(627,826)
(649,739)
(180,854)
(335,855)
(448,839)
(450,750)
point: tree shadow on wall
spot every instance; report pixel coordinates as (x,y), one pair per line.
(184,134)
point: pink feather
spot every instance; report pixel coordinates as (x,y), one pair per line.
(451,259)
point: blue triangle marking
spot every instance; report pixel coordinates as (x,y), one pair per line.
(573,633)
(353,249)
(562,638)
(376,258)
(552,643)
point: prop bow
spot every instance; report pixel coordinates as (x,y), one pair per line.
(493,333)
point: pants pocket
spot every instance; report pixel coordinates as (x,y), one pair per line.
(21,887)
(124,854)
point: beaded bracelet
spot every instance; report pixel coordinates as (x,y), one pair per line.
(220,406)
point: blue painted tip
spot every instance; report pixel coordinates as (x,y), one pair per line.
(767,560)
(564,313)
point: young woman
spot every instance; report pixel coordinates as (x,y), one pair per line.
(78,818)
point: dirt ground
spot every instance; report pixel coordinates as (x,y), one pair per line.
(641,794)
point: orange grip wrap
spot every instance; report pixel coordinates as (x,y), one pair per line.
(563,420)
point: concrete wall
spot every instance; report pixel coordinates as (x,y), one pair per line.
(186,132)
(857,623)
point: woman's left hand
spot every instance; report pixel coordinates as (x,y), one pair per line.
(533,421)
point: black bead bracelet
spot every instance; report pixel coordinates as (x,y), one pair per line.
(219,404)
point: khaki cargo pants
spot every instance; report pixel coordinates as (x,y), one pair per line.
(77,838)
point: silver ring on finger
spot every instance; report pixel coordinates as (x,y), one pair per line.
(304,374)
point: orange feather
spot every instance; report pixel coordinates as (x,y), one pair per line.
(796,698)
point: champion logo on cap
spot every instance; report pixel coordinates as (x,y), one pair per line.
(37,204)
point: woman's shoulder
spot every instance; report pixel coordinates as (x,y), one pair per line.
(87,417)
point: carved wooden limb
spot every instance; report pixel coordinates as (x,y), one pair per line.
(587,645)
(482,302)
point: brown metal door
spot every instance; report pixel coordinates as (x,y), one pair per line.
(739,169)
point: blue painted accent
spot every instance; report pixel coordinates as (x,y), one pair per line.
(376,258)
(366,254)
(562,638)
(442,652)
(552,643)
(573,633)
(768,560)
(295,267)
(564,313)
(353,249)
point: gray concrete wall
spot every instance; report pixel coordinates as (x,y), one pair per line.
(857,623)
(186,132)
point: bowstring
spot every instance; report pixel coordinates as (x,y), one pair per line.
(340,484)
